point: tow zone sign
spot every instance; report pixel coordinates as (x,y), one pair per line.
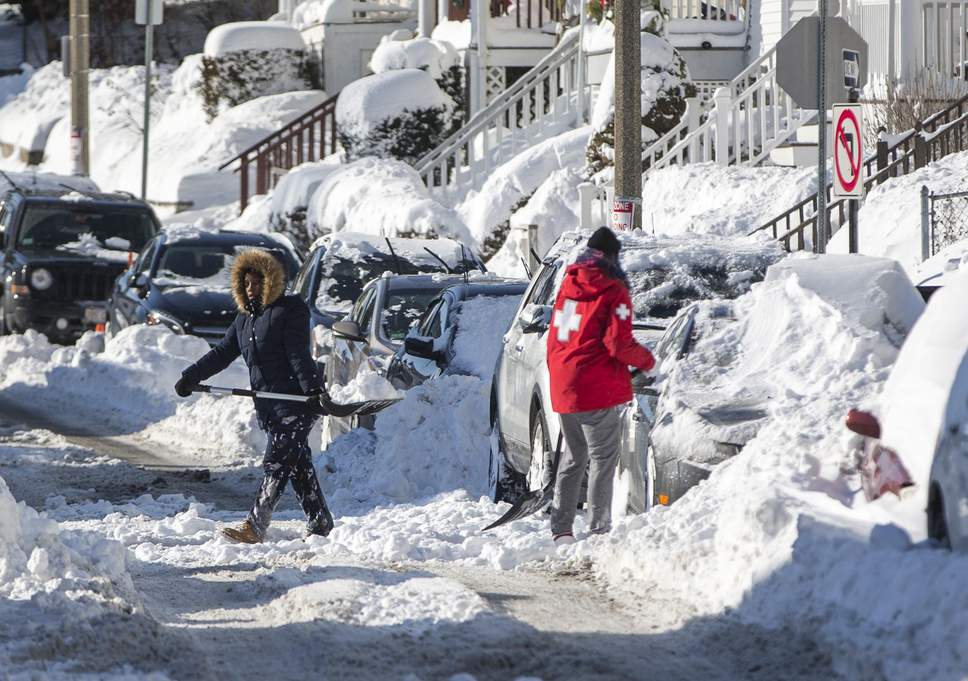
(848,151)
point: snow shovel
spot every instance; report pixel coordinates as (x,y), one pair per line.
(533,501)
(332,408)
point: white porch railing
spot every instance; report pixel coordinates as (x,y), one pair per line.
(742,123)
(712,10)
(543,103)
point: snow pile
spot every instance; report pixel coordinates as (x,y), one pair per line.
(184,166)
(481,324)
(252,35)
(129,387)
(380,197)
(433,56)
(433,441)
(366,385)
(488,211)
(779,535)
(729,201)
(890,218)
(77,572)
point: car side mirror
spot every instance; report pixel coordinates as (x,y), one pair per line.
(863,423)
(349,330)
(420,347)
(535,319)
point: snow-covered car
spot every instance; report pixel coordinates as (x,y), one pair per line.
(339,265)
(692,430)
(664,275)
(181,281)
(61,252)
(467,313)
(923,415)
(375,328)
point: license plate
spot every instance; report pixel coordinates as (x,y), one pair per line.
(95,315)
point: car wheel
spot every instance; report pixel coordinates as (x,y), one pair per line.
(937,524)
(504,483)
(539,473)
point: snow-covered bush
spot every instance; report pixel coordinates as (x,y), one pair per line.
(245,60)
(665,87)
(436,57)
(396,114)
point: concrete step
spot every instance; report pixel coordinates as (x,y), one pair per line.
(795,155)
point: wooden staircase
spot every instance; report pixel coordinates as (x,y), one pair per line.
(309,137)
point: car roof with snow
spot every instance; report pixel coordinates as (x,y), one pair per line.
(48,195)
(666,273)
(415,282)
(487,286)
(222,236)
(360,246)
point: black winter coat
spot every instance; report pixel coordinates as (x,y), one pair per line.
(275,346)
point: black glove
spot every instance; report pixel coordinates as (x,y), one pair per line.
(184,387)
(319,405)
(642,379)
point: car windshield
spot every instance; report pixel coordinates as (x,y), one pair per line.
(211,265)
(84,229)
(661,292)
(402,309)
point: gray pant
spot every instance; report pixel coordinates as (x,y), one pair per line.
(595,434)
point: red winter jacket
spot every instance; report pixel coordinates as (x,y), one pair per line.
(590,343)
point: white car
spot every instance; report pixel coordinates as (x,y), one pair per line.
(924,415)
(664,275)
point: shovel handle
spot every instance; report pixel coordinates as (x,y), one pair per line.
(242,392)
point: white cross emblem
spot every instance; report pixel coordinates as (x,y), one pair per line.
(622,311)
(567,320)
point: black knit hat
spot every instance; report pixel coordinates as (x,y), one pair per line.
(604,240)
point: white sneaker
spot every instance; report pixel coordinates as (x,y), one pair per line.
(564,539)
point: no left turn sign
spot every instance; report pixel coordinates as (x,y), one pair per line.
(848,151)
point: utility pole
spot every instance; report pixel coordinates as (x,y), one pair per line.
(822,226)
(628,107)
(149,50)
(80,33)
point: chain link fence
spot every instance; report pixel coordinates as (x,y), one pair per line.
(944,220)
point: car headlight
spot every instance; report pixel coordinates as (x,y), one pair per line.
(155,318)
(41,279)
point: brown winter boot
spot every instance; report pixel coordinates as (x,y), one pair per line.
(243,534)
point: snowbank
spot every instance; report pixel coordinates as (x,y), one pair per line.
(381,197)
(730,200)
(890,218)
(185,150)
(252,35)
(486,211)
(129,388)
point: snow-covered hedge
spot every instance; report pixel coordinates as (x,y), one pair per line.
(237,77)
(665,87)
(396,114)
(436,57)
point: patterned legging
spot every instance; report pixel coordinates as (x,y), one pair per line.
(288,457)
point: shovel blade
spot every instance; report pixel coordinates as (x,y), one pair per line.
(527,504)
(358,408)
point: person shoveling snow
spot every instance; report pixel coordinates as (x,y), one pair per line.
(590,347)
(271,333)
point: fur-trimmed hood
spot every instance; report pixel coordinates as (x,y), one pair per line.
(264,263)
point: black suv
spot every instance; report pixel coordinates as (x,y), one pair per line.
(62,251)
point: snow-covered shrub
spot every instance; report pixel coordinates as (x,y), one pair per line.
(436,57)
(396,114)
(248,59)
(231,79)
(665,87)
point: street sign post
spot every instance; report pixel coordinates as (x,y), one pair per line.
(819,62)
(848,157)
(149,14)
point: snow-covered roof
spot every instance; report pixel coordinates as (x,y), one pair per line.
(252,35)
(366,102)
